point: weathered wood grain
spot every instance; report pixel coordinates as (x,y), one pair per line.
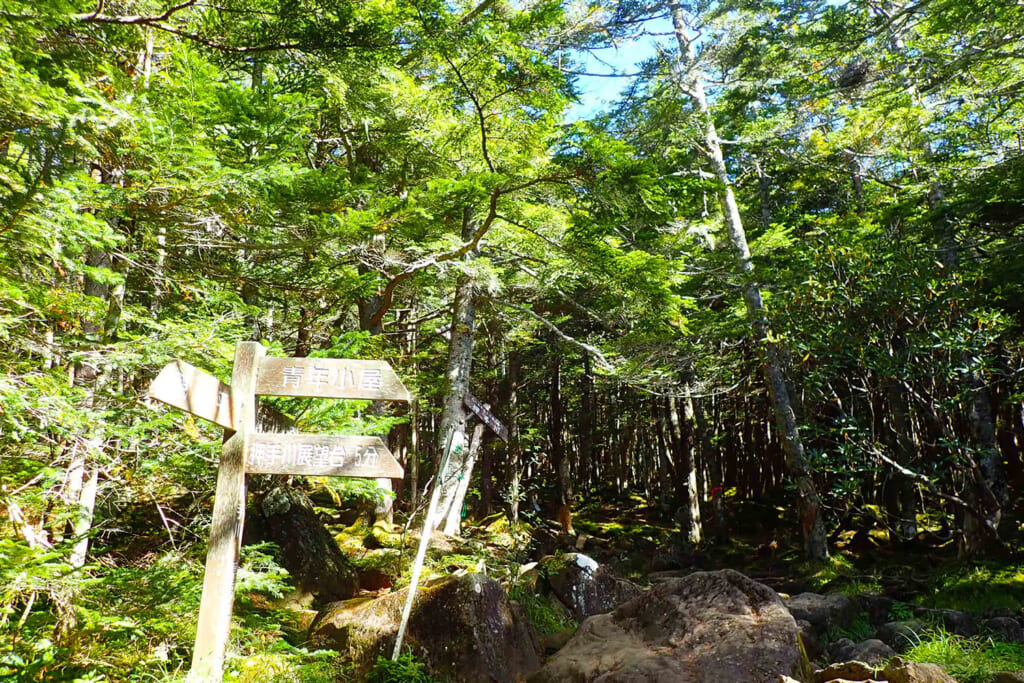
(215,608)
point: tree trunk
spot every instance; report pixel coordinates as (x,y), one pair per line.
(588,412)
(555,425)
(451,522)
(691,501)
(515,458)
(906,489)
(452,430)
(815,546)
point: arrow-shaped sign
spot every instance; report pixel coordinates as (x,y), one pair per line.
(187,387)
(321,455)
(330,378)
(198,392)
(487,417)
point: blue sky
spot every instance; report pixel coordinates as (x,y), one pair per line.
(598,93)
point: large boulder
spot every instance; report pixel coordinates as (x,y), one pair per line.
(708,626)
(585,587)
(308,551)
(462,626)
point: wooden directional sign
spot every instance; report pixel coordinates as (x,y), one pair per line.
(254,443)
(198,392)
(321,455)
(187,387)
(487,417)
(329,378)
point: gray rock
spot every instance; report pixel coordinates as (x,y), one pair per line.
(900,635)
(960,623)
(841,650)
(957,623)
(823,611)
(462,626)
(877,607)
(901,671)
(1009,677)
(1005,628)
(846,671)
(873,652)
(812,643)
(707,626)
(585,587)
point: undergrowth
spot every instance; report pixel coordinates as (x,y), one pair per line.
(969,660)
(406,669)
(540,612)
(976,588)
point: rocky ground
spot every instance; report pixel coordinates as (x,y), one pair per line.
(532,604)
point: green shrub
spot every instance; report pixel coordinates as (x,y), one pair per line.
(544,617)
(970,660)
(405,670)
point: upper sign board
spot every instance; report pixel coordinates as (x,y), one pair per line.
(330,378)
(187,387)
(487,417)
(198,392)
(321,455)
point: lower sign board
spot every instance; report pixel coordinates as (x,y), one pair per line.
(320,455)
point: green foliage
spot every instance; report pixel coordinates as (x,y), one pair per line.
(859,630)
(976,588)
(540,611)
(971,660)
(406,669)
(901,612)
(258,572)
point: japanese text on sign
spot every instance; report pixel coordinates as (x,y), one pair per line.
(266,454)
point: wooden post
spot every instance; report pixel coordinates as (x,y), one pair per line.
(228,517)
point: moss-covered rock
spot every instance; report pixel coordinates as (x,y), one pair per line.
(585,587)
(384,535)
(308,551)
(463,627)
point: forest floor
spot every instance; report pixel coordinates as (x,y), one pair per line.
(137,602)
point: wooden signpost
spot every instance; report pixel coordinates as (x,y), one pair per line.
(247,450)
(486,416)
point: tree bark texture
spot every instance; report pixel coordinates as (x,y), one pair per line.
(452,429)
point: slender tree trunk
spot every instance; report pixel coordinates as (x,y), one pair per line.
(691,501)
(514,446)
(451,522)
(460,363)
(906,489)
(555,424)
(808,502)
(588,412)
